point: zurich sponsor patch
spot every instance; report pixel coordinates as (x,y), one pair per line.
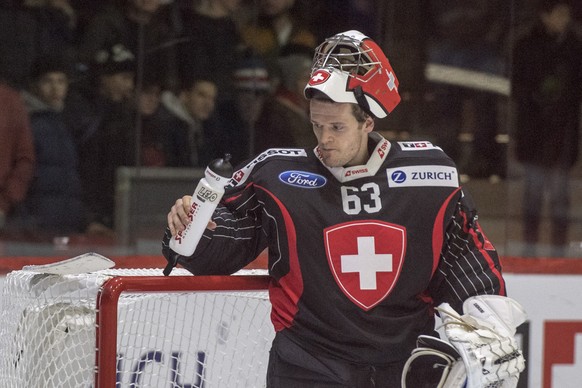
(302,179)
(417,176)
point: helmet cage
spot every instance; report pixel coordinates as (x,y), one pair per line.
(348,55)
(351,68)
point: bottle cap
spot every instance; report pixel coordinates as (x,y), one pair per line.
(222,166)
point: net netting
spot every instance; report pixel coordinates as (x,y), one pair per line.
(164,339)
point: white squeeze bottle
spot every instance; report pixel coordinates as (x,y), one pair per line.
(204,200)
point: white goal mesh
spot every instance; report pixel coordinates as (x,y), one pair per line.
(176,331)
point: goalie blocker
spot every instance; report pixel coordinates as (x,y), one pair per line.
(481,353)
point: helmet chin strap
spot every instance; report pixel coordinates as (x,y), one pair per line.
(361,99)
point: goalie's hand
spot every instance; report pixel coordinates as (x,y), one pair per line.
(178,216)
(485,338)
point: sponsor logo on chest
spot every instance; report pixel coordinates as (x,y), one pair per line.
(302,179)
(417,176)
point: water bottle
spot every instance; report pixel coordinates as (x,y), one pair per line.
(204,200)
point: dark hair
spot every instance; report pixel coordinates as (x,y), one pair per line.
(49,64)
(546,6)
(359,113)
(190,81)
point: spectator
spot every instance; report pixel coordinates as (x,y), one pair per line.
(128,24)
(153,151)
(285,118)
(17,155)
(188,115)
(239,115)
(53,205)
(161,147)
(547,65)
(102,118)
(210,40)
(279,23)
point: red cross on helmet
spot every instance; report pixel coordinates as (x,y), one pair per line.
(349,67)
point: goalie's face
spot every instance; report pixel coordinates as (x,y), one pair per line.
(342,140)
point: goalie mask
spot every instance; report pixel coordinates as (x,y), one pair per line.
(351,68)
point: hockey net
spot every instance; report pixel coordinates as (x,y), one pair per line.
(134,328)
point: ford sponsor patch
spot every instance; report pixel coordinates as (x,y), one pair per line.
(303,179)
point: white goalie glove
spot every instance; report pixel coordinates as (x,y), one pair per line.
(481,353)
(484,336)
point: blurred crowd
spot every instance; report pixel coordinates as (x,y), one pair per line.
(88,86)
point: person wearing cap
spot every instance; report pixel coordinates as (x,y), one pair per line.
(285,118)
(365,238)
(53,204)
(189,118)
(238,115)
(101,115)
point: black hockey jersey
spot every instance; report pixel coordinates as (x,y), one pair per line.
(359,255)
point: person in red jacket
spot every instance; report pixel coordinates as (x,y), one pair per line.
(365,238)
(17,155)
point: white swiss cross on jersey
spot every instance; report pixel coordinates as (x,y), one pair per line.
(365,258)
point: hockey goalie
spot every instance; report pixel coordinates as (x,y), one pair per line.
(365,238)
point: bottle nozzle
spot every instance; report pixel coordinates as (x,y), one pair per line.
(222,166)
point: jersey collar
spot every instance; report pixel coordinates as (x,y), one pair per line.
(346,174)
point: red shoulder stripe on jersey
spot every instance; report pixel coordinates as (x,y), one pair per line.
(473,232)
(234,197)
(438,232)
(285,292)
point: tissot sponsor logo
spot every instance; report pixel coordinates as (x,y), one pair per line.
(302,179)
(273,152)
(415,176)
(241,175)
(416,145)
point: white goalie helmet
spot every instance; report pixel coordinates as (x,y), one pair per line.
(349,67)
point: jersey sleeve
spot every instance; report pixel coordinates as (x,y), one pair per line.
(469,264)
(236,241)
